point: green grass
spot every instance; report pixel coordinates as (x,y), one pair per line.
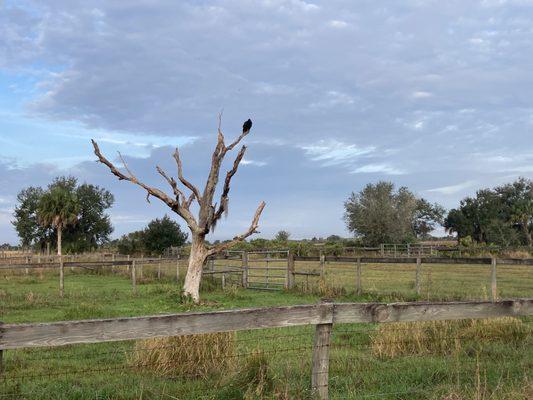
(445,282)
(482,369)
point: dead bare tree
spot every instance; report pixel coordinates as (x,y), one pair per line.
(208,215)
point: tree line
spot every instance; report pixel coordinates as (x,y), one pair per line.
(379,213)
(501,216)
(77,212)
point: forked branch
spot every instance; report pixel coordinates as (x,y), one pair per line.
(224,200)
(182,179)
(251,230)
(172,182)
(174,204)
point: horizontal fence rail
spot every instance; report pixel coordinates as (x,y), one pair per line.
(323,316)
(13,336)
(413,260)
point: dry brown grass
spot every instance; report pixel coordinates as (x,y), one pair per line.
(188,356)
(443,337)
(516,254)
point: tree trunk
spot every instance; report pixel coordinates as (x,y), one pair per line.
(524,224)
(59,253)
(197,259)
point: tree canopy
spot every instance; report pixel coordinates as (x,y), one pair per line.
(282,236)
(502,216)
(159,235)
(58,208)
(381,214)
(93,226)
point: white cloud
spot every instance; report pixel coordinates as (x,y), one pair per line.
(378,169)
(6,200)
(333,152)
(452,189)
(421,94)
(6,215)
(334,98)
(336,23)
(253,162)
(129,219)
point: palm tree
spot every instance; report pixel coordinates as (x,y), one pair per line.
(58,208)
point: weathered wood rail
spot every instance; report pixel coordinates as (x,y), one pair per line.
(323,315)
(425,260)
(13,336)
(247,266)
(493,262)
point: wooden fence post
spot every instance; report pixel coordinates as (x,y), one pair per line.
(1,355)
(382,249)
(358,286)
(178,268)
(159,269)
(245,269)
(322,266)
(494,283)
(418,271)
(133,277)
(320,362)
(290,270)
(61,277)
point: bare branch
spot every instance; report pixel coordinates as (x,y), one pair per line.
(177,192)
(223,207)
(125,165)
(182,179)
(173,204)
(251,230)
(245,131)
(189,200)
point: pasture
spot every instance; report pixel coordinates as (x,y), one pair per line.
(439,360)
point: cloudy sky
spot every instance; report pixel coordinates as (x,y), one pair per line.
(433,95)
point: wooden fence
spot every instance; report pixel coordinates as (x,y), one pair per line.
(358,261)
(322,315)
(246,267)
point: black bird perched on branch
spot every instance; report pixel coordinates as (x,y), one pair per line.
(247,126)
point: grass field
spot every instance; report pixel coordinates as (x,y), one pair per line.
(449,362)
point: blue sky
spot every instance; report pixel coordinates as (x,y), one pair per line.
(432,95)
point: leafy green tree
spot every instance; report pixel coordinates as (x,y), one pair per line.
(132,243)
(162,233)
(379,214)
(26,223)
(58,208)
(282,236)
(517,198)
(427,217)
(333,238)
(94,225)
(503,215)
(92,229)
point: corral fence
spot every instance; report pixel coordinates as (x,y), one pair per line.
(281,269)
(322,316)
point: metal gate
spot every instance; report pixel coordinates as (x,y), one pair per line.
(267,270)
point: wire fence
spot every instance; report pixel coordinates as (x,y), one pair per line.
(401,278)
(441,360)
